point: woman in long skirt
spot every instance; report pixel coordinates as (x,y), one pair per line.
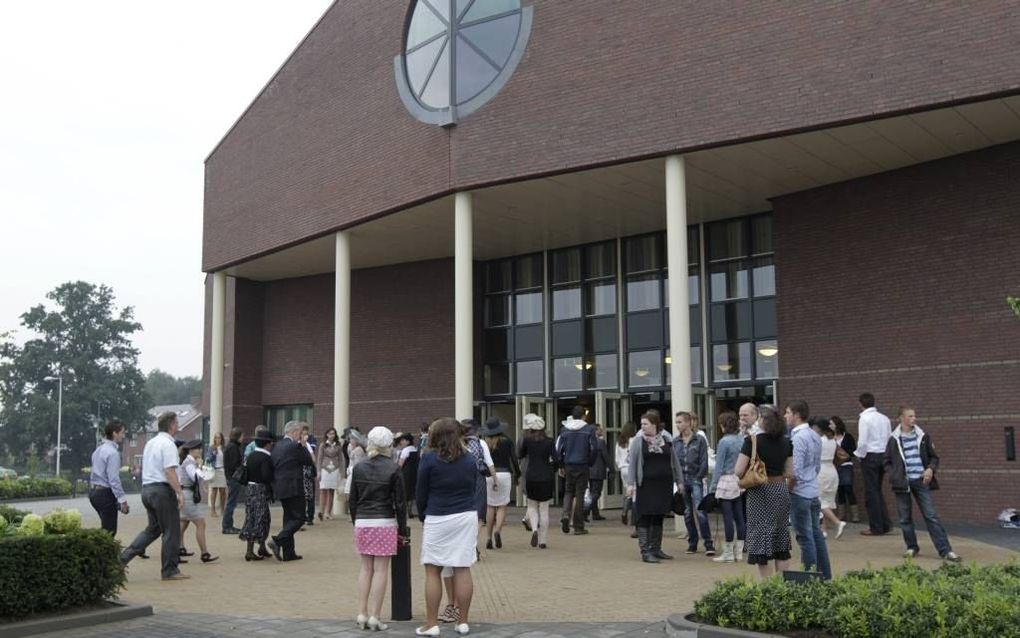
(768,505)
(257,519)
(379,509)
(653,471)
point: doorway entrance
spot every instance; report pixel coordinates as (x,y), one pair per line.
(611,412)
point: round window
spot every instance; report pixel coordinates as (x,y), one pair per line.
(458,54)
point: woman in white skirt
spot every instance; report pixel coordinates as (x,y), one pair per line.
(190,474)
(445,495)
(499,485)
(828,477)
(329,461)
(218,484)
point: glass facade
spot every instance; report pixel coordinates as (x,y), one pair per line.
(611,295)
(277,416)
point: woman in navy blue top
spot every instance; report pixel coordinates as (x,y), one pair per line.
(447,475)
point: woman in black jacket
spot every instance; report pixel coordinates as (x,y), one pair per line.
(845,499)
(498,486)
(257,519)
(379,509)
(539,477)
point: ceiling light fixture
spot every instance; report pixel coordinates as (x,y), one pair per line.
(641,372)
(725,367)
(768,350)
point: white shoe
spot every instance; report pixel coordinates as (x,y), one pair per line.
(361,622)
(825,534)
(432,631)
(738,551)
(839,530)
(462,629)
(376,625)
(727,555)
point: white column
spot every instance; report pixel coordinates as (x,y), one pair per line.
(219,318)
(463,266)
(676,261)
(342,335)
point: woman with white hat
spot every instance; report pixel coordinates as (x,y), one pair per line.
(379,510)
(498,486)
(539,478)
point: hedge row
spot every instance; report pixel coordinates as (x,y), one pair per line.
(34,488)
(54,572)
(902,602)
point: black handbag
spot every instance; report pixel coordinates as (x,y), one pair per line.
(240,474)
(679,504)
(196,492)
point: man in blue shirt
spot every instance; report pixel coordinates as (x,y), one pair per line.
(106,494)
(805,506)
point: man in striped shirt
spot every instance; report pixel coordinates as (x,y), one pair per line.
(911,462)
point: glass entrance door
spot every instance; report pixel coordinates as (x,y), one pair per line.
(611,411)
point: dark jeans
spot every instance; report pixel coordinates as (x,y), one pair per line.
(595,486)
(926,504)
(573,494)
(733,516)
(233,489)
(106,505)
(293,519)
(814,553)
(878,515)
(845,492)
(694,491)
(164,520)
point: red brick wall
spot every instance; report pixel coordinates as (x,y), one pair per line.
(329,143)
(895,284)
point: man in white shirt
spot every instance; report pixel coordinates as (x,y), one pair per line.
(749,420)
(162,497)
(873,430)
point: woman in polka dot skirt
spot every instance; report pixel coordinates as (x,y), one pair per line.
(379,509)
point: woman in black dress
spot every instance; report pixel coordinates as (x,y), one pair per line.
(259,469)
(845,498)
(539,477)
(651,475)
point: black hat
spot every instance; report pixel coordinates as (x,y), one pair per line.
(264,436)
(492,427)
(193,444)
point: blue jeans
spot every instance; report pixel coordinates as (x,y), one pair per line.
(693,493)
(814,553)
(931,520)
(233,487)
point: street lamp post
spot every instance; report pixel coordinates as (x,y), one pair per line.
(60,413)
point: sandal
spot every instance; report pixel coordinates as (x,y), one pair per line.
(208,558)
(450,614)
(184,552)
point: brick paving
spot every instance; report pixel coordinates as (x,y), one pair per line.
(579,579)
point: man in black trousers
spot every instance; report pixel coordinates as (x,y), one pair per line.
(289,457)
(233,456)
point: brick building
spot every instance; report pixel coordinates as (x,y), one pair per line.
(455,207)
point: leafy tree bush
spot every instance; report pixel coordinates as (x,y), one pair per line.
(903,602)
(12,515)
(54,572)
(34,488)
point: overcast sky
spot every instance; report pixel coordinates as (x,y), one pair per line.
(107,111)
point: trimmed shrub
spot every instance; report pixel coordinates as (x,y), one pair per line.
(904,601)
(34,488)
(54,572)
(12,515)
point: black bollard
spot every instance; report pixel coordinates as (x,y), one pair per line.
(400,577)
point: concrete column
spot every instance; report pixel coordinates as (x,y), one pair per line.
(219,318)
(342,334)
(463,307)
(676,262)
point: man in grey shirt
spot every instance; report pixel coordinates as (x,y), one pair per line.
(805,506)
(105,491)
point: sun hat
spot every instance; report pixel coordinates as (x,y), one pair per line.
(492,427)
(380,436)
(533,422)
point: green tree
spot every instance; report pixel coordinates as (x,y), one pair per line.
(1014,303)
(87,342)
(166,389)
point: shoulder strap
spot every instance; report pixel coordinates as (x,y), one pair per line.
(754,447)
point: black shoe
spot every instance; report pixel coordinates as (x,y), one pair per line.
(565,525)
(526,524)
(580,532)
(309,522)
(208,558)
(294,557)
(542,546)
(231,530)
(273,547)
(144,555)
(648,557)
(264,553)
(499,541)
(184,552)
(488,544)
(658,553)
(598,517)
(534,539)
(251,557)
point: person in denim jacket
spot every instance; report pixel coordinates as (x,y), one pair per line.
(691,450)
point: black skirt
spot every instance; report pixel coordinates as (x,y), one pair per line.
(539,490)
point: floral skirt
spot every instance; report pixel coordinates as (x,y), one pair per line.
(256,514)
(376,540)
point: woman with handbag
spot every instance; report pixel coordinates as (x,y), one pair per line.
(190,475)
(845,498)
(726,488)
(651,475)
(828,479)
(763,467)
(258,475)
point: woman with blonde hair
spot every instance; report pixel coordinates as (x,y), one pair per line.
(539,477)
(218,483)
(445,494)
(379,510)
(500,484)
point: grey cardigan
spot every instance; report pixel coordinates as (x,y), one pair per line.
(635,472)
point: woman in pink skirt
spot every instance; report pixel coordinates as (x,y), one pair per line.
(379,509)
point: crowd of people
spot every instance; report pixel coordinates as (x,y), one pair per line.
(771,472)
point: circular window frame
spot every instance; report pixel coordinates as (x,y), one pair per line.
(450,115)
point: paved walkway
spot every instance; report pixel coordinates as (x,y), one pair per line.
(578,579)
(179,625)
